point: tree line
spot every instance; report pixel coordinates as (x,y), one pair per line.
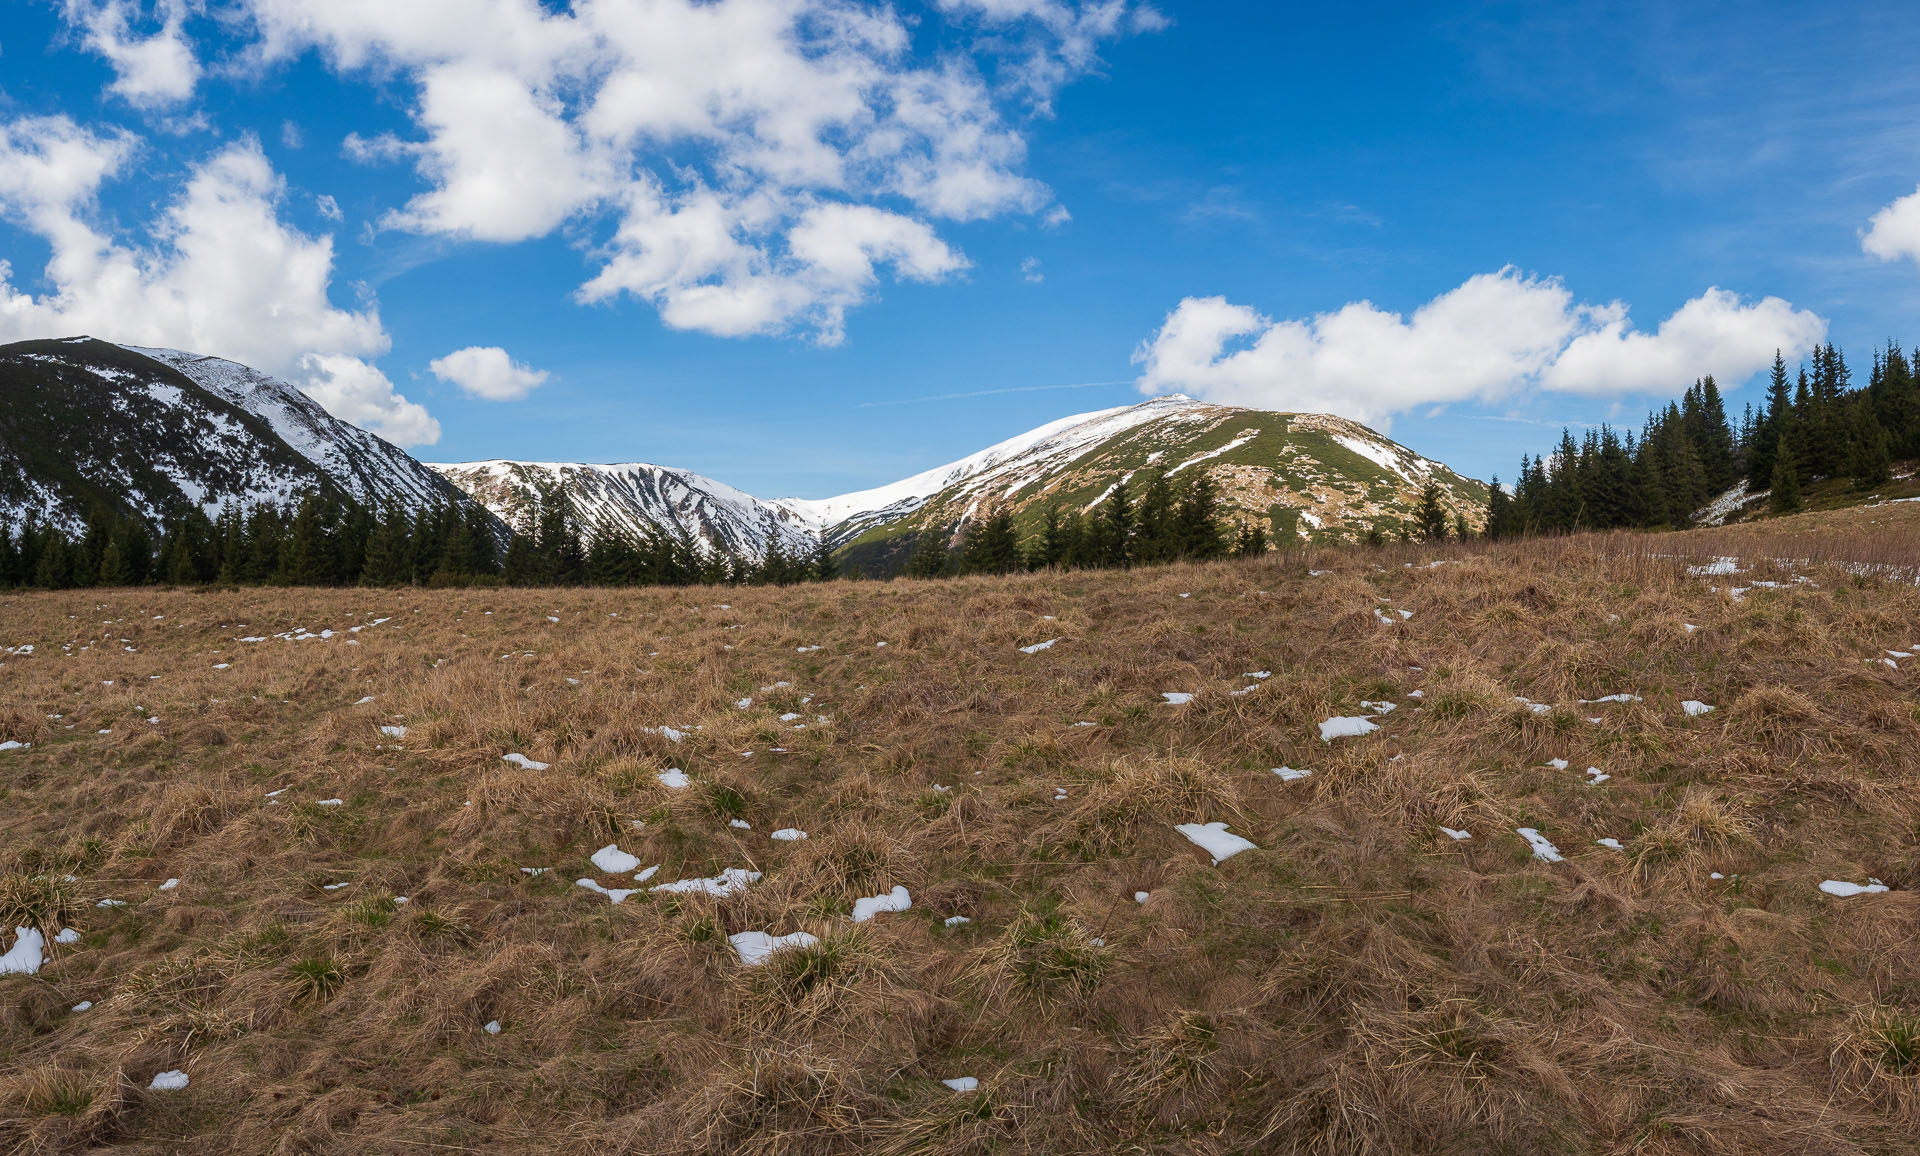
(327,541)
(1166,523)
(324,541)
(1814,426)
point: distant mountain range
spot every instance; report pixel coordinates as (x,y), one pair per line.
(142,431)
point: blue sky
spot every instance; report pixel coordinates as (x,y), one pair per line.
(754,237)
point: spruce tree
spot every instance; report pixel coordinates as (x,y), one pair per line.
(929,557)
(1766,434)
(1870,461)
(1784,497)
(1431,517)
(825,567)
(1251,541)
(1196,520)
(1116,527)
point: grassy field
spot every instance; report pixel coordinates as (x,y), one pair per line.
(1360,982)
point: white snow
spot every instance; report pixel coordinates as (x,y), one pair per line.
(1596,776)
(1695,708)
(742,824)
(169,1081)
(1290,774)
(67,935)
(719,886)
(1542,849)
(788,835)
(1176,697)
(674,778)
(1215,840)
(394,732)
(1611,698)
(868,906)
(1258,674)
(618,895)
(1845,890)
(331,803)
(962,1083)
(14,745)
(492,1028)
(613,861)
(1378,707)
(83,1005)
(1611,844)
(756,947)
(1346,727)
(1557,764)
(524,762)
(26,955)
(1142,896)
(169,885)
(1037,647)
(1457,836)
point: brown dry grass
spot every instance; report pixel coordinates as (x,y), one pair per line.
(1360,984)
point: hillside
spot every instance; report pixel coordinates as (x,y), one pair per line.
(632,498)
(140,432)
(1309,477)
(408,870)
(1312,478)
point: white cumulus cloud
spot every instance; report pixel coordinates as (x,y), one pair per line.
(767,164)
(151,70)
(219,273)
(1894,232)
(486,371)
(1494,335)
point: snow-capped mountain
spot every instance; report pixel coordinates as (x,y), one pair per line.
(85,423)
(1307,477)
(633,496)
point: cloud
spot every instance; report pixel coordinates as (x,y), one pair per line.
(150,71)
(487,371)
(329,208)
(1894,232)
(1030,271)
(220,273)
(1494,335)
(727,140)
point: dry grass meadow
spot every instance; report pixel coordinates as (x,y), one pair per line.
(1360,983)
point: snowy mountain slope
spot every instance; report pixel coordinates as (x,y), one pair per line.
(1306,477)
(374,471)
(632,496)
(1025,456)
(1310,477)
(85,423)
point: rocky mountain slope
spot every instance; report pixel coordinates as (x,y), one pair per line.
(1308,477)
(86,423)
(630,497)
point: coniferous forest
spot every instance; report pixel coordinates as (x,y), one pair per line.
(1813,425)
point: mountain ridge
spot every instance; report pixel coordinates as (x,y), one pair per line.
(151,429)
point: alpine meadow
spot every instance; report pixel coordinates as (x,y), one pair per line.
(1134,727)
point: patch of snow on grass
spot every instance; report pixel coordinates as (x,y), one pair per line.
(1695,708)
(1543,850)
(170,1081)
(1215,840)
(756,947)
(1291,774)
(617,894)
(1038,646)
(719,886)
(1346,727)
(1844,890)
(1176,697)
(1457,836)
(612,860)
(788,835)
(674,778)
(962,1083)
(26,955)
(523,762)
(868,906)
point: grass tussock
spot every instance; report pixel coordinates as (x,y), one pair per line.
(357,909)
